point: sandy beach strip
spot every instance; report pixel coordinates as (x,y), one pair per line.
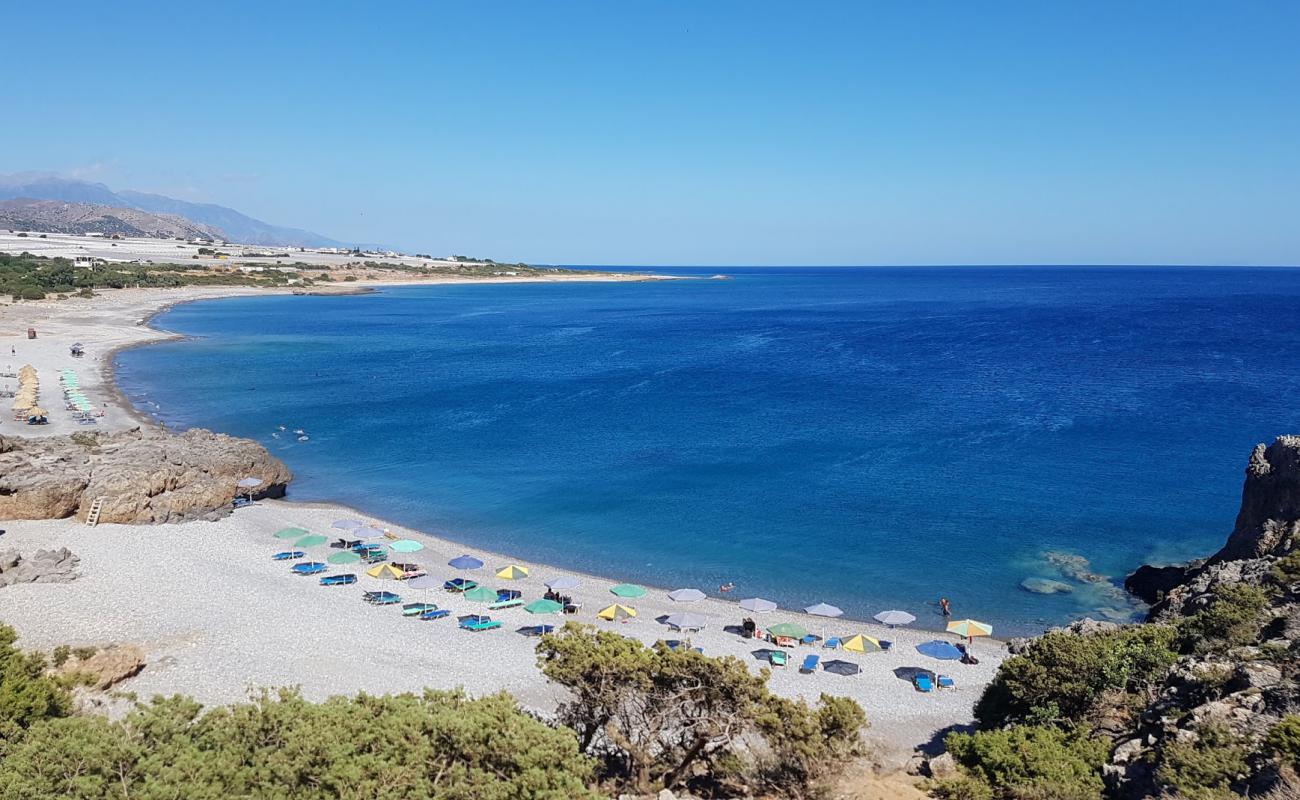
(218,618)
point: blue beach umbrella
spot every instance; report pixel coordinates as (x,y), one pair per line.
(937,648)
(347,524)
(465,562)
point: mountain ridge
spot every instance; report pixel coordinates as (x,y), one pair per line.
(236,225)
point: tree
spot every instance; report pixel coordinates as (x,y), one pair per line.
(1027,761)
(27,695)
(653,715)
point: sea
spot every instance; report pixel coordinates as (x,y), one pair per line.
(1013,439)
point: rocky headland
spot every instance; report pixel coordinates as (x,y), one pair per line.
(144,475)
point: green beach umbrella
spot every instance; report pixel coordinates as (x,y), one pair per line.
(791,629)
(628,590)
(311,541)
(345,557)
(291,533)
(481,594)
(543,607)
(405,546)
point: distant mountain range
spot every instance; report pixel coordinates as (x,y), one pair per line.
(236,227)
(59,216)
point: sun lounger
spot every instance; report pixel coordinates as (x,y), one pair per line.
(810,663)
(460,585)
(500,604)
(479,623)
(338,580)
(310,568)
(923,682)
(382,598)
(885,644)
(945,682)
(777,658)
(537,630)
(288,555)
(509,594)
(785,641)
(811,638)
(832,643)
(416,609)
(439,614)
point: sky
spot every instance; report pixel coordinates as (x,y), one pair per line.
(692,133)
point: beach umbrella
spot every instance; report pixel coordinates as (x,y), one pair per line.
(512,572)
(344,557)
(481,594)
(425,582)
(937,648)
(686,596)
(758,605)
(385,572)
(543,607)
(628,590)
(861,644)
(364,532)
(311,541)
(616,612)
(791,629)
(291,533)
(970,628)
(405,546)
(895,617)
(823,610)
(563,582)
(840,667)
(465,562)
(687,621)
(347,524)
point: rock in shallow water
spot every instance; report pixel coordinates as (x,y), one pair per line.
(1045,586)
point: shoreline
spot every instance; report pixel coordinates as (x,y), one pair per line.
(909,721)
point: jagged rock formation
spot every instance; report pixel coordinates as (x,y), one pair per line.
(146,476)
(45,566)
(108,667)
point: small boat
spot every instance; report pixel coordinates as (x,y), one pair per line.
(299,431)
(283,428)
(288,555)
(303,438)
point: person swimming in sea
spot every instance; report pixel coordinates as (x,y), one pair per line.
(726,587)
(945,607)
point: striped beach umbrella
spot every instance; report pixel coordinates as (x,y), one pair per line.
(385,572)
(861,644)
(616,612)
(970,628)
(512,572)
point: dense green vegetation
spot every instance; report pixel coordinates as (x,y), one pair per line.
(1065,677)
(1232,618)
(657,718)
(643,717)
(1203,769)
(29,277)
(1026,761)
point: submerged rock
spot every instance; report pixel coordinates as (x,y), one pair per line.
(1045,586)
(145,476)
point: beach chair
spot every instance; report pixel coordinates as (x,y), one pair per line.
(810,639)
(416,609)
(785,641)
(509,594)
(810,663)
(288,555)
(338,580)
(460,585)
(832,643)
(500,604)
(922,682)
(310,568)
(439,614)
(944,682)
(382,598)
(885,645)
(478,622)
(777,658)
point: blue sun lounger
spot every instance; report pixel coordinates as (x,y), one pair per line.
(310,568)
(500,604)
(382,598)
(416,609)
(288,555)
(923,682)
(338,580)
(478,622)
(460,585)
(946,683)
(437,614)
(810,663)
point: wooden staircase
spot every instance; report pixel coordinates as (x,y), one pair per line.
(92,516)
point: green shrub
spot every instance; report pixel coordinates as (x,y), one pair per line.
(1064,675)
(1286,572)
(1233,617)
(1028,761)
(1204,769)
(1284,740)
(27,696)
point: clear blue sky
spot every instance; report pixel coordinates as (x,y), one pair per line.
(691,132)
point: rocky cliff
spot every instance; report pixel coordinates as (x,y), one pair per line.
(145,475)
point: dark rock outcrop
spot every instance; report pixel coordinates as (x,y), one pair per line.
(45,566)
(145,475)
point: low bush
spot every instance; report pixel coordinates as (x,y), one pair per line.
(1026,761)
(1233,617)
(1284,740)
(1204,769)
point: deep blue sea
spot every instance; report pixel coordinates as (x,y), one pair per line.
(872,438)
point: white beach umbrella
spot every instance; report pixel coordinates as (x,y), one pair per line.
(686,596)
(687,621)
(758,605)
(347,524)
(895,617)
(824,610)
(367,533)
(563,582)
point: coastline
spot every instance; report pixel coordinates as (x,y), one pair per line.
(905,721)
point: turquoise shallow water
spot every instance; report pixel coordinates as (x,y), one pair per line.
(873,438)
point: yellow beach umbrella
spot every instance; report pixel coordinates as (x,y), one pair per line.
(512,572)
(861,644)
(36,411)
(970,628)
(617,611)
(385,572)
